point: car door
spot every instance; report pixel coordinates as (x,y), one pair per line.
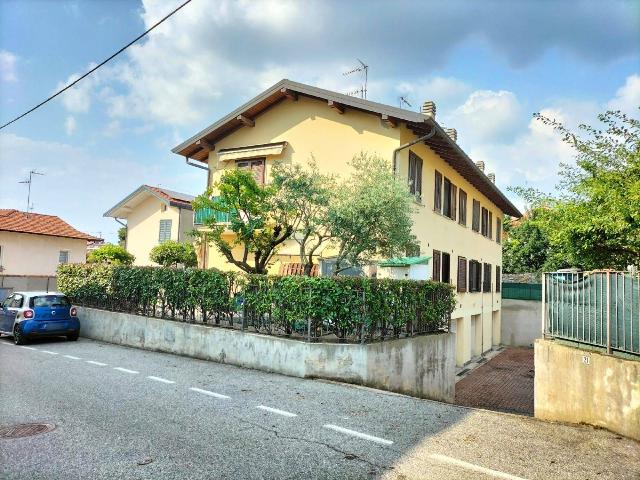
(12,310)
(4,314)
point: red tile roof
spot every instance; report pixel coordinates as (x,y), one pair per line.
(38,224)
(174,197)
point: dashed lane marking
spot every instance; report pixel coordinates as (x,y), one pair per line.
(207,392)
(284,413)
(125,370)
(473,467)
(49,352)
(361,435)
(160,379)
(72,357)
(100,364)
(29,348)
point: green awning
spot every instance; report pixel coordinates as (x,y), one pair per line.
(404,261)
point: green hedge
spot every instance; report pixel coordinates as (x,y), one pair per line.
(348,307)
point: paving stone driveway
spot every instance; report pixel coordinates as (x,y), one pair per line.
(504,383)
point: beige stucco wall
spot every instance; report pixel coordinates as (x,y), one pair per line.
(311,128)
(29,254)
(143,227)
(579,386)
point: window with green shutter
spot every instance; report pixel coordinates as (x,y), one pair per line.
(165,231)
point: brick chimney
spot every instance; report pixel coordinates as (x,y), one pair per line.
(429,109)
(492,177)
(453,133)
(480,165)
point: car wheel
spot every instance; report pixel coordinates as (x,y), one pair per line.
(18,338)
(72,338)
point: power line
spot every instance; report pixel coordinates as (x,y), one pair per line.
(94,68)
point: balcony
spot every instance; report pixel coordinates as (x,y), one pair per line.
(204,214)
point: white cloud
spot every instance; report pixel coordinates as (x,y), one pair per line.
(112,129)
(70,125)
(78,98)
(627,97)
(8,63)
(446,92)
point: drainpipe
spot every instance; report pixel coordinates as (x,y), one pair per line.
(406,145)
(186,159)
(126,237)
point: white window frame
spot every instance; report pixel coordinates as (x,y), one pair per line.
(67,253)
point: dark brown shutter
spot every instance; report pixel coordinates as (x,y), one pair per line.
(486,278)
(462,274)
(475,222)
(498,230)
(498,279)
(418,169)
(437,195)
(462,214)
(412,173)
(490,226)
(436,266)
(446,268)
(454,201)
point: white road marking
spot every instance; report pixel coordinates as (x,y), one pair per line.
(207,392)
(49,352)
(29,348)
(100,364)
(72,357)
(284,413)
(364,436)
(473,467)
(125,370)
(159,379)
(7,344)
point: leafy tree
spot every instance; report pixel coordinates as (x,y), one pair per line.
(308,193)
(258,224)
(595,221)
(172,254)
(122,236)
(113,254)
(526,246)
(370,214)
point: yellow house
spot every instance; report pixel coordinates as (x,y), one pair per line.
(153,215)
(459,209)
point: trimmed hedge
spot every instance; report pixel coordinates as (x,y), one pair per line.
(349,307)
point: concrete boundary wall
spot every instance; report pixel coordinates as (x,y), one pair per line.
(580,386)
(421,366)
(521,322)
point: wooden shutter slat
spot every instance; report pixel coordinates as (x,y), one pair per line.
(436,266)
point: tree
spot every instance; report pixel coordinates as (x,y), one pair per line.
(259,223)
(172,254)
(113,254)
(308,193)
(370,214)
(595,221)
(122,236)
(526,246)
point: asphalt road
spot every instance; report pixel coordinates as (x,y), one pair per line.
(131,414)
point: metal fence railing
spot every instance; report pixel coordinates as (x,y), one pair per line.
(600,308)
(522,291)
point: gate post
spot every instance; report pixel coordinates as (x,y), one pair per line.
(609,312)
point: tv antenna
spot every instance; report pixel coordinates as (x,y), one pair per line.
(402,100)
(363,69)
(31,174)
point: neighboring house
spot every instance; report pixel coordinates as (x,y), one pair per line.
(459,209)
(153,215)
(33,245)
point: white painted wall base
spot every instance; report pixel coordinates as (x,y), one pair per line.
(521,322)
(420,366)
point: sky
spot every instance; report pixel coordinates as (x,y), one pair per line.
(488,66)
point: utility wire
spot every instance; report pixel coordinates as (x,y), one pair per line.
(94,68)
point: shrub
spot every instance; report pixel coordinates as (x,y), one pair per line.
(113,254)
(172,254)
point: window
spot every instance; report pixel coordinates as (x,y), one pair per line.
(486,284)
(498,230)
(475,276)
(415,175)
(437,193)
(436,266)
(490,226)
(445,276)
(485,222)
(498,278)
(63,256)
(475,221)
(449,197)
(165,231)
(255,166)
(49,301)
(462,274)
(17,301)
(462,208)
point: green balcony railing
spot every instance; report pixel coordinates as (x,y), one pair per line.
(204,214)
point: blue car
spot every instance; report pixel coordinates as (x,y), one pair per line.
(27,315)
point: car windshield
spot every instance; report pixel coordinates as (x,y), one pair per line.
(50,301)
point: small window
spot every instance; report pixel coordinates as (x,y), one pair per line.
(437,195)
(475,221)
(436,266)
(256,166)
(165,231)
(475,275)
(462,274)
(415,175)
(445,276)
(498,278)
(462,208)
(486,284)
(63,256)
(449,197)
(498,230)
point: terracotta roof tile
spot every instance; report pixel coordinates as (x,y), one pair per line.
(174,197)
(16,221)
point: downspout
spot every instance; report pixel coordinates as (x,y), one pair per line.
(205,251)
(126,228)
(179,222)
(407,145)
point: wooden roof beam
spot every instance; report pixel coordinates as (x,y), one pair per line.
(290,94)
(246,121)
(389,121)
(205,145)
(336,106)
